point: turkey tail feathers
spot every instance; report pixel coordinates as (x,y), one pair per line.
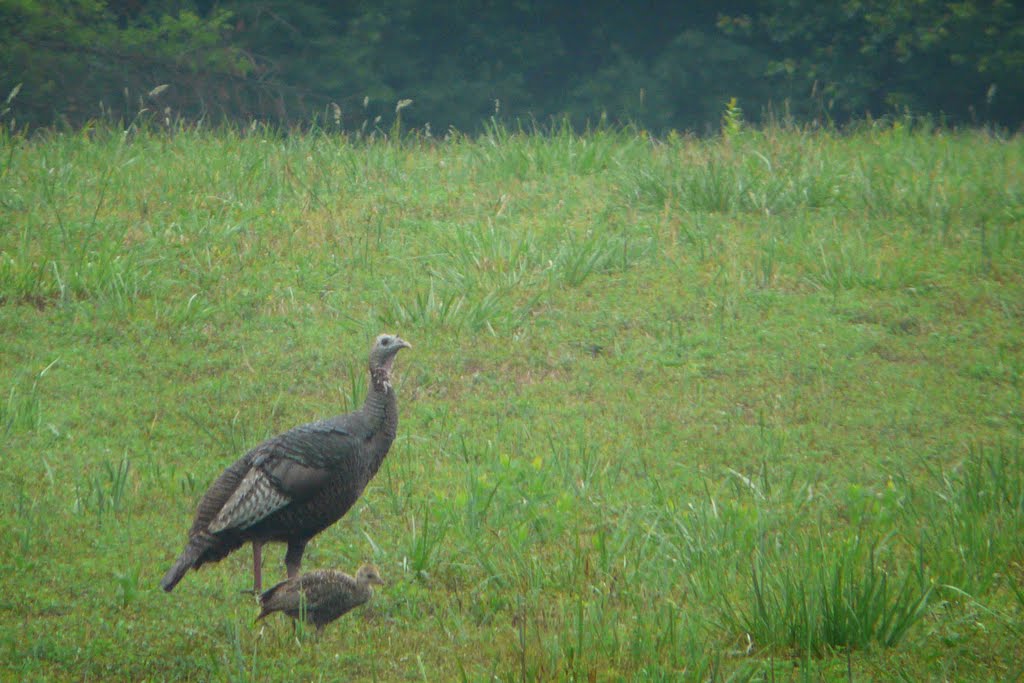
(185,562)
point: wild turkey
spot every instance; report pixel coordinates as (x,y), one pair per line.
(327,595)
(293,486)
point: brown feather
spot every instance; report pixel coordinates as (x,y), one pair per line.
(327,594)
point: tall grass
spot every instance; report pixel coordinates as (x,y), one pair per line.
(732,408)
(973,540)
(829,598)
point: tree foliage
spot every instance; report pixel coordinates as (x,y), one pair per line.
(79,58)
(657,64)
(958,59)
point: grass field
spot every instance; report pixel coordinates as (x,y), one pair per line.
(743,408)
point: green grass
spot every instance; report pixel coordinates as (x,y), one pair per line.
(742,408)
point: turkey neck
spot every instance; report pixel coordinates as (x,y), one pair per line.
(381,408)
(363,591)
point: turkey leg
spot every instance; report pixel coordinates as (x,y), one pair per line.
(293,558)
(257,567)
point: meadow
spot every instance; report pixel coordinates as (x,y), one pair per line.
(746,407)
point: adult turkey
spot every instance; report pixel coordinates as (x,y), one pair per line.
(293,486)
(322,596)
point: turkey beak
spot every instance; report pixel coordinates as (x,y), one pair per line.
(402,344)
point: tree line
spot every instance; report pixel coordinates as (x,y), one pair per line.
(656,64)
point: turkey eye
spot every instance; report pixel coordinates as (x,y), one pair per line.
(385,341)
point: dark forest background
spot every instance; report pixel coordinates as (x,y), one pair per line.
(658,65)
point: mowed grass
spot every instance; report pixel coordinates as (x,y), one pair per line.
(744,408)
